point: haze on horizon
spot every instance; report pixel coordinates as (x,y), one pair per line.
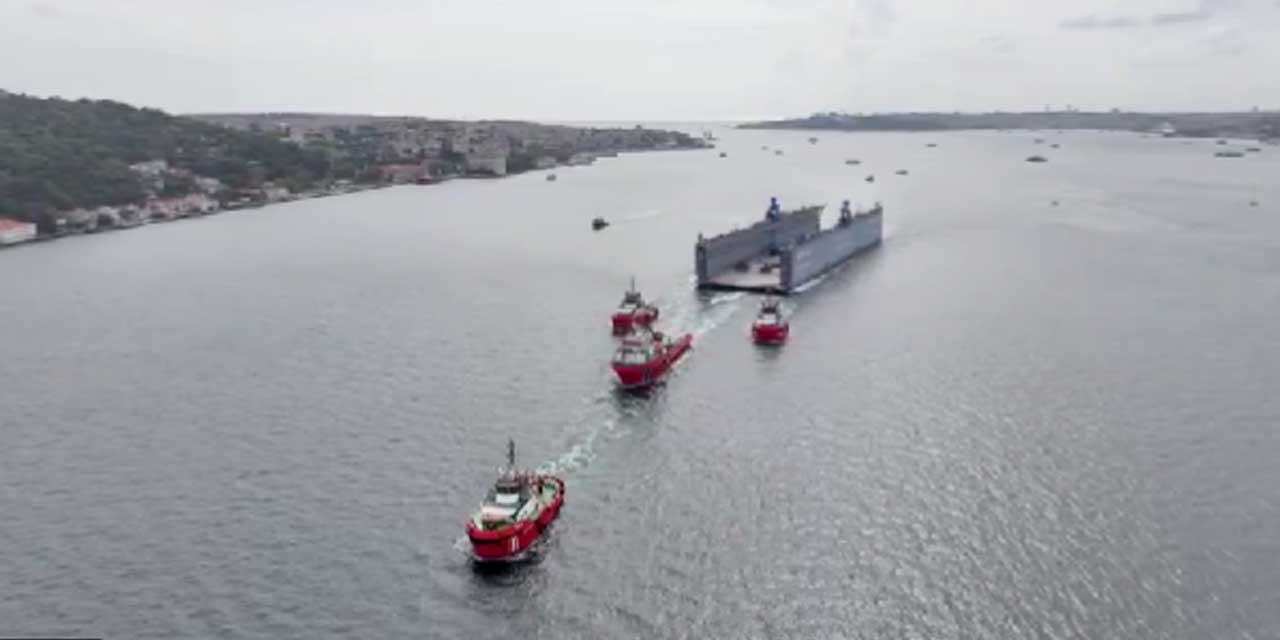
(652,60)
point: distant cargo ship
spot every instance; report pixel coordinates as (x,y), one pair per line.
(785,250)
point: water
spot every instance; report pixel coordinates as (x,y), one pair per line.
(1013,420)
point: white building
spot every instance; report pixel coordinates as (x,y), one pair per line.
(16,231)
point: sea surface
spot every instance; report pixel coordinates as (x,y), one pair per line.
(1013,419)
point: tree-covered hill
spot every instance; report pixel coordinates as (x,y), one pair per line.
(60,154)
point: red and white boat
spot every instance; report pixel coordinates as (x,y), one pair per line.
(645,356)
(633,311)
(770,326)
(515,513)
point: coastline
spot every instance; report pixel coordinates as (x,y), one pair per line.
(330,191)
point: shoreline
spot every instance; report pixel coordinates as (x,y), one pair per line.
(41,238)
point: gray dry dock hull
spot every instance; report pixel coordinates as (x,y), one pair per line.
(779,256)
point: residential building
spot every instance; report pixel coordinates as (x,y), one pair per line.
(16,231)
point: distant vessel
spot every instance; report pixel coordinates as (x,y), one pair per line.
(633,312)
(645,356)
(770,326)
(1254,149)
(515,513)
(853,161)
(871,178)
(777,152)
(813,141)
(931,145)
(551,177)
(599,223)
(1037,159)
(1229,154)
(1222,141)
(724,155)
(901,172)
(1167,130)
(1054,145)
(785,250)
(1039,140)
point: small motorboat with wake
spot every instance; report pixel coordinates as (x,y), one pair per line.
(645,356)
(515,513)
(633,311)
(770,326)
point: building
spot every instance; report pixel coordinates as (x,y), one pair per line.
(16,231)
(490,161)
(401,173)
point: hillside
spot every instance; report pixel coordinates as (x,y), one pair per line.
(60,154)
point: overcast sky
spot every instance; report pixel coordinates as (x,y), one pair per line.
(645,59)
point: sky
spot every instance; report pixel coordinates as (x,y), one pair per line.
(645,60)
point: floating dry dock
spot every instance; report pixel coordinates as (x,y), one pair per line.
(785,250)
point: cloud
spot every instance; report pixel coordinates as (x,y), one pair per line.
(1227,42)
(872,18)
(998,43)
(1166,19)
(1091,22)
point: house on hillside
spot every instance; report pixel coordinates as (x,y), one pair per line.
(16,231)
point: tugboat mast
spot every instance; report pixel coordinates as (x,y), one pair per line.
(511,454)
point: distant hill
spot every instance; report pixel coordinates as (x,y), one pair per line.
(1239,124)
(60,154)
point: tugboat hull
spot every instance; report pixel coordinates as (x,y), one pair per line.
(640,376)
(770,334)
(512,543)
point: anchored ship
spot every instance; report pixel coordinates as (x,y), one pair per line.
(785,250)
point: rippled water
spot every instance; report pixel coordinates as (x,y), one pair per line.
(1013,420)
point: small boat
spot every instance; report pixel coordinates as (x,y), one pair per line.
(1253,149)
(1054,145)
(633,312)
(1037,159)
(901,172)
(1039,140)
(764,147)
(515,513)
(599,223)
(770,326)
(1229,154)
(551,177)
(931,145)
(645,356)
(871,178)
(853,161)
(813,141)
(777,152)
(724,155)
(1222,141)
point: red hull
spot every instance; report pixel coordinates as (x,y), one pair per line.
(770,333)
(510,543)
(638,376)
(623,321)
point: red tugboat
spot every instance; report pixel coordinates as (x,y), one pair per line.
(645,356)
(633,311)
(770,326)
(519,508)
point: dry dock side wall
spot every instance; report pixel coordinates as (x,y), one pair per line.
(714,256)
(828,249)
